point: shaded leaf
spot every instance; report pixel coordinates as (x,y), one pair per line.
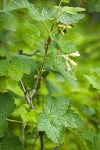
(94,79)
(11,142)
(93,6)
(7,21)
(6,107)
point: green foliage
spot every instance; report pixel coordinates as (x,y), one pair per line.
(94,79)
(11,142)
(93,6)
(15,66)
(67,18)
(6,107)
(28,115)
(7,21)
(65,1)
(91,138)
(38,49)
(57,115)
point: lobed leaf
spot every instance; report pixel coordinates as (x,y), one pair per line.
(56,116)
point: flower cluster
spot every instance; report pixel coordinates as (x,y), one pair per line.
(62,27)
(69,62)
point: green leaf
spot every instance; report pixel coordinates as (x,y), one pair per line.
(71,10)
(93,6)
(57,115)
(11,142)
(15,73)
(94,79)
(30,38)
(2,84)
(37,12)
(88,134)
(20,65)
(59,77)
(91,137)
(27,114)
(6,107)
(88,111)
(66,18)
(67,46)
(81,142)
(19,4)
(4,64)
(58,64)
(7,21)
(65,1)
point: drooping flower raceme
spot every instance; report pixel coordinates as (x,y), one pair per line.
(69,62)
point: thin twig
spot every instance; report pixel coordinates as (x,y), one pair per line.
(30,55)
(42,140)
(25,92)
(17,121)
(34,144)
(56,147)
(26,95)
(46,27)
(23,133)
(41,68)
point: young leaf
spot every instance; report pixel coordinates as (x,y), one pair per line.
(27,114)
(6,107)
(11,142)
(56,116)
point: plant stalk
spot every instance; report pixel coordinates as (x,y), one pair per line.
(42,140)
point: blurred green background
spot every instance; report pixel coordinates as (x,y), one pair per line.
(86,99)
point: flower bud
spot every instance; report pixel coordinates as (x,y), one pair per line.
(68,66)
(75,54)
(73,63)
